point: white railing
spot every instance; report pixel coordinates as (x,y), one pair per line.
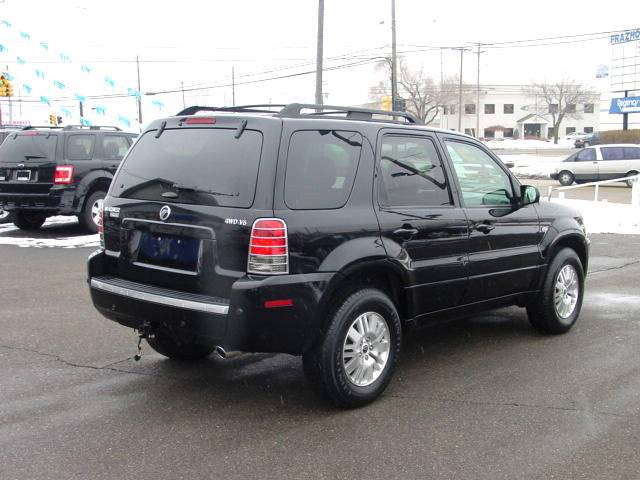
(635,189)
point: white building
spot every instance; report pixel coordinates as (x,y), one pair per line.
(508,111)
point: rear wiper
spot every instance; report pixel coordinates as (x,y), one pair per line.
(188,188)
(34,156)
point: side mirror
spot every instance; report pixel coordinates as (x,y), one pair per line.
(528,195)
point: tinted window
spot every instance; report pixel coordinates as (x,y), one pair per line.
(481,179)
(28,146)
(114,146)
(411,173)
(201,165)
(631,153)
(80,147)
(612,153)
(489,108)
(321,166)
(586,155)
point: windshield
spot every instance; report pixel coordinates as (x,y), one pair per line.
(28,147)
(196,165)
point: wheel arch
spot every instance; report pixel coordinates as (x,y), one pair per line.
(100,181)
(573,240)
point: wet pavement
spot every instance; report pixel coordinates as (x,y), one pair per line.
(481,398)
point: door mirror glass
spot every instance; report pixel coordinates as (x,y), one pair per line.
(529,194)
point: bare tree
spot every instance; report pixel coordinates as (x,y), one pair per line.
(559,100)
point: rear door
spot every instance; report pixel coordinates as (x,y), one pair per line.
(613,164)
(586,165)
(81,149)
(27,162)
(423,227)
(180,210)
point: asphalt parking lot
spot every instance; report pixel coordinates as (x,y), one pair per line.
(481,398)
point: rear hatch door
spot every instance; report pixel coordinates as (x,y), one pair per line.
(28,162)
(181,207)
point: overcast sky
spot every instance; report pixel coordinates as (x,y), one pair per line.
(198,42)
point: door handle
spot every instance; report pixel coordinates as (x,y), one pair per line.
(483,227)
(406,232)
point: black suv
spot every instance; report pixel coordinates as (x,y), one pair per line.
(324,232)
(47,171)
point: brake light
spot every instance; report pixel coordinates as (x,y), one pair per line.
(200,121)
(268,247)
(63,175)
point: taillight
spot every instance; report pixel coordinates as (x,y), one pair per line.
(63,175)
(268,247)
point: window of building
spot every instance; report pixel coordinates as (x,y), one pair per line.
(321,166)
(570,130)
(445,110)
(550,132)
(489,108)
(588,129)
(452,109)
(115,147)
(470,108)
(588,108)
(508,108)
(481,180)
(507,133)
(470,131)
(80,147)
(411,173)
(489,133)
(571,108)
(553,108)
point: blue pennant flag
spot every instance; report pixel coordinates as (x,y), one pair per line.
(85,68)
(100,110)
(133,92)
(8,76)
(59,85)
(27,89)
(124,120)
(80,98)
(44,45)
(4,23)
(65,58)
(39,73)
(21,60)
(109,81)
(25,36)
(158,104)
(46,100)
(85,122)
(3,48)
(65,111)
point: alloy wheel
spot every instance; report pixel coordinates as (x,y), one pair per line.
(366,349)
(566,292)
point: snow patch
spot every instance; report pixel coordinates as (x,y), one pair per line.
(53,234)
(522,144)
(532,166)
(604,217)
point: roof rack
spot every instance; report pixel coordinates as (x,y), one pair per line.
(295,110)
(32,127)
(72,127)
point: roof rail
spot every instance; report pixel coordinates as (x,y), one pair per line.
(92,127)
(31,127)
(240,108)
(294,110)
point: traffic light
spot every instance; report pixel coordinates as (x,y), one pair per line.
(53,119)
(400,105)
(6,88)
(59,121)
(386,103)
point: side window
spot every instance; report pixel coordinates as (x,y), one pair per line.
(586,155)
(411,173)
(612,153)
(80,147)
(482,181)
(321,167)
(114,146)
(631,153)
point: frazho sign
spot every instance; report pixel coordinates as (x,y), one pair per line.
(626,36)
(625,105)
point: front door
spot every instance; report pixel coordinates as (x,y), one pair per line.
(504,257)
(423,228)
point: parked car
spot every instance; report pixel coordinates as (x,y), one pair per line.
(325,232)
(47,171)
(577,136)
(602,162)
(588,140)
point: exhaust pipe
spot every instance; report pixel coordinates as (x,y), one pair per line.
(221,352)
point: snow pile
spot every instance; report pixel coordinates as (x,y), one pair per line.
(604,217)
(532,166)
(55,233)
(522,144)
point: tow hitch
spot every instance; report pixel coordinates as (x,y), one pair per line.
(144,332)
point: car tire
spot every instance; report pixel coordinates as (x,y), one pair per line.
(557,307)
(90,213)
(353,361)
(5,216)
(178,346)
(630,174)
(566,178)
(26,220)
(585,144)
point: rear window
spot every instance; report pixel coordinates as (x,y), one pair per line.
(28,146)
(631,153)
(197,165)
(321,166)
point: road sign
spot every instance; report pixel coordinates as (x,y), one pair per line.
(625,105)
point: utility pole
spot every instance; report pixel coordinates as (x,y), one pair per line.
(625,116)
(478,94)
(441,69)
(139,92)
(394,71)
(460,90)
(319,52)
(182,89)
(233,85)
(81,112)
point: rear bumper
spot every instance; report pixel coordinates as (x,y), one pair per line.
(241,322)
(57,200)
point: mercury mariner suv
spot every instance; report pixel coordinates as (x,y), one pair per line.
(324,232)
